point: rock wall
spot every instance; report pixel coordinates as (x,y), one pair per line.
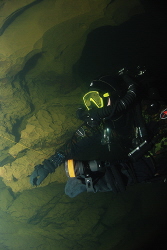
(40,41)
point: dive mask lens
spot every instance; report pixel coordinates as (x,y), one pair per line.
(91,98)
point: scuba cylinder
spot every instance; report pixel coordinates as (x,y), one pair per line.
(91,171)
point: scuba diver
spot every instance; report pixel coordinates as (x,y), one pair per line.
(114,146)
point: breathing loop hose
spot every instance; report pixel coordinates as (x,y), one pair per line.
(121,104)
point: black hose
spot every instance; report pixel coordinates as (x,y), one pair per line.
(120,105)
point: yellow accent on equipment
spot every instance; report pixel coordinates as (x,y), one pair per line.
(93,96)
(71,169)
(106,94)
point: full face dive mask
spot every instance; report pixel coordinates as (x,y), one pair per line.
(93,99)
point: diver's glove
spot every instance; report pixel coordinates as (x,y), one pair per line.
(39,174)
(41,171)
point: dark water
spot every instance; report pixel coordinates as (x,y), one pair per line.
(139,41)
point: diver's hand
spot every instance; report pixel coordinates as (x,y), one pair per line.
(39,174)
(41,171)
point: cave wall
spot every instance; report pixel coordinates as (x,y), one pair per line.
(40,42)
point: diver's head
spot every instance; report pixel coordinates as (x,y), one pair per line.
(102,92)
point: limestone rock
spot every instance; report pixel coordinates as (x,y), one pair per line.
(6,199)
